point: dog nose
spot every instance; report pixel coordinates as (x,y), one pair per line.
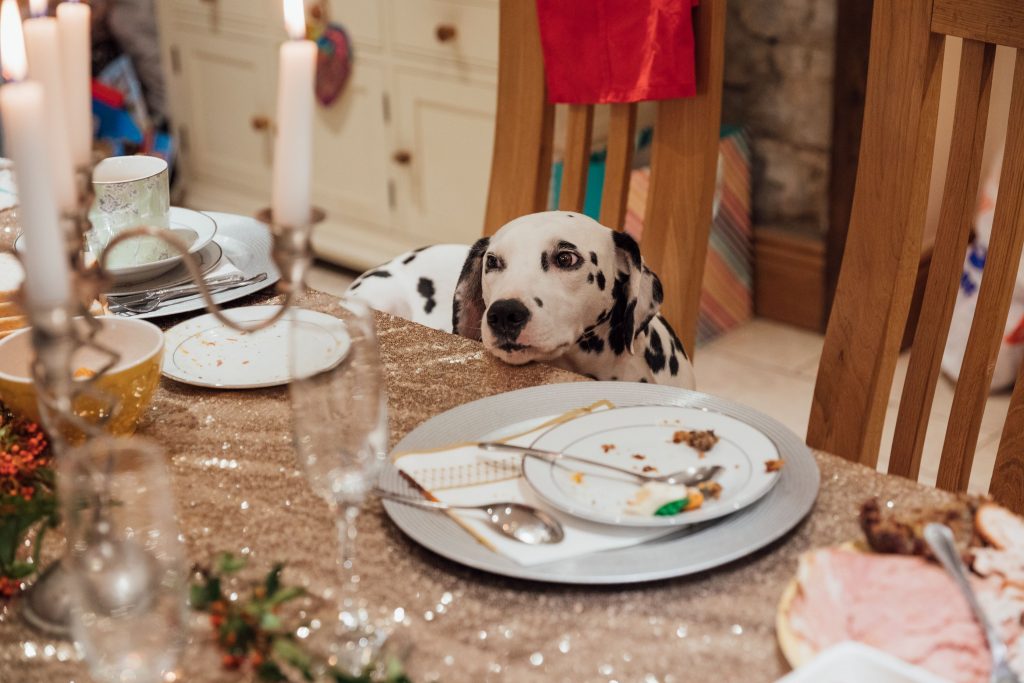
(508,317)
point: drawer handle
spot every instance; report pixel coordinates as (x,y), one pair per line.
(445,33)
(402,157)
(260,123)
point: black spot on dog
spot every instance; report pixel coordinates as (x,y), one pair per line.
(675,339)
(593,257)
(409,259)
(544,265)
(655,353)
(603,317)
(540,304)
(591,343)
(590,278)
(673,365)
(572,216)
(600,280)
(376,273)
(355,286)
(658,290)
(643,380)
(622,315)
(426,289)
(593,377)
(629,245)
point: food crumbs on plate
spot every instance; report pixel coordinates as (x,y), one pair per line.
(245,362)
(696,499)
(577,477)
(701,440)
(649,468)
(710,489)
(773,465)
(219,362)
(637,456)
(83,373)
(207,343)
(608,447)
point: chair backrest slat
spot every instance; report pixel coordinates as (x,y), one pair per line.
(1001,262)
(524,123)
(1007,485)
(684,161)
(684,155)
(882,253)
(1000,22)
(618,164)
(576,160)
(958,203)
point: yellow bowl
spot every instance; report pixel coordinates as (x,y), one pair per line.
(128,386)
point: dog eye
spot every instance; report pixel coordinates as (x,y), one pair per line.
(567,259)
(491,262)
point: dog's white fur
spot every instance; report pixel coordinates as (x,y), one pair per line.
(590,302)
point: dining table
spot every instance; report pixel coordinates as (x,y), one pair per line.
(238,487)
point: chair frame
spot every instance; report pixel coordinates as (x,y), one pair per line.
(876,283)
(683,163)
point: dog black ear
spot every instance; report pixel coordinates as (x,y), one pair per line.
(636,294)
(468,304)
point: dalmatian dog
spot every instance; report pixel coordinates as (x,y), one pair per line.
(556,287)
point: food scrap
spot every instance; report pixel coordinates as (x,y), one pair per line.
(700,440)
(577,477)
(83,373)
(607,447)
(637,456)
(649,468)
(710,489)
(664,500)
(773,465)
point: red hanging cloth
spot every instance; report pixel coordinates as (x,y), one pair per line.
(599,51)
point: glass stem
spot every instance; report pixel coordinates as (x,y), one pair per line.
(345,517)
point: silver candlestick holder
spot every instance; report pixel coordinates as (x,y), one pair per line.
(61,331)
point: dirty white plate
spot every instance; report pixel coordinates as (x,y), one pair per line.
(204,352)
(640,438)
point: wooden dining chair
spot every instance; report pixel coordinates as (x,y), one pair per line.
(683,163)
(883,249)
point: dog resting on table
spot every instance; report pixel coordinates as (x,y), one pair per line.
(556,287)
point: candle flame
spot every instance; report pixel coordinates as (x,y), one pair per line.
(295,18)
(13,60)
(37,8)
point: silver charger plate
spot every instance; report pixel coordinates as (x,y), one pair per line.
(689,551)
(246,243)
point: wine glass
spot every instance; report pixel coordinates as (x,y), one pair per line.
(125,559)
(339,418)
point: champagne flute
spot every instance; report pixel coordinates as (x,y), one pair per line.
(125,560)
(340,430)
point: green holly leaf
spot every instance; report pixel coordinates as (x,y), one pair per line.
(270,622)
(271,673)
(292,654)
(273,580)
(672,508)
(19,570)
(227,563)
(284,595)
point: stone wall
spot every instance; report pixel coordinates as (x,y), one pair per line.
(779,62)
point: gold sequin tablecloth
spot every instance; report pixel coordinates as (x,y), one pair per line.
(238,488)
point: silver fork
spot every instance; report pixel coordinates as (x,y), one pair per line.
(691,476)
(940,540)
(150,304)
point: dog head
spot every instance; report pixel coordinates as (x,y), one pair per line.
(549,281)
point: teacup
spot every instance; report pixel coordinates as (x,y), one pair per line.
(130,192)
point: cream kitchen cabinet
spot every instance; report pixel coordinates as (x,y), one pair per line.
(401,159)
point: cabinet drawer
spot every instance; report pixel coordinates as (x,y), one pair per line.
(462,30)
(218,15)
(361,18)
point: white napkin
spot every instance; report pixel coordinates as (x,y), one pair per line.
(452,475)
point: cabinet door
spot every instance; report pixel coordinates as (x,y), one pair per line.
(228,91)
(361,18)
(445,135)
(350,149)
(217,15)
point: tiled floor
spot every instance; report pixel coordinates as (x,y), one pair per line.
(771,367)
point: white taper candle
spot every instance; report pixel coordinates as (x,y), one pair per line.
(74,20)
(26,141)
(293,146)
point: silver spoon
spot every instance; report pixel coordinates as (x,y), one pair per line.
(690,476)
(940,540)
(520,522)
